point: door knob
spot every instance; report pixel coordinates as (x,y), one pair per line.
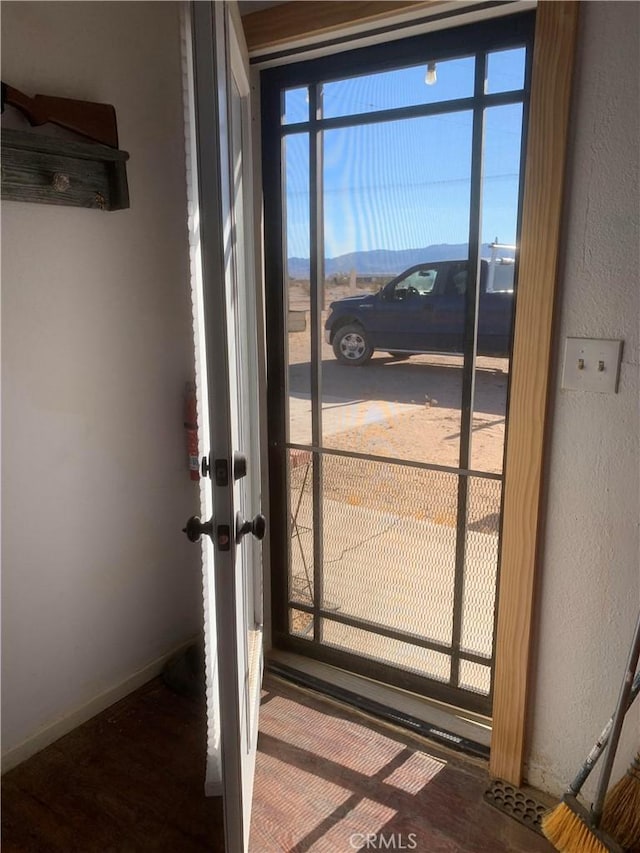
(257,526)
(194,528)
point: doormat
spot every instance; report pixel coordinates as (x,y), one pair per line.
(517,804)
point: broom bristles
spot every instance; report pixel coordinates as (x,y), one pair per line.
(568,832)
(621,816)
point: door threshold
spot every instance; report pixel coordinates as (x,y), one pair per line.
(443,724)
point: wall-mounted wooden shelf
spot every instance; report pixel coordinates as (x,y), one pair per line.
(48,170)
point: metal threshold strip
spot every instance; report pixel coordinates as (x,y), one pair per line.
(446,726)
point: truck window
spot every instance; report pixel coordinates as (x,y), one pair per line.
(416,283)
(457,283)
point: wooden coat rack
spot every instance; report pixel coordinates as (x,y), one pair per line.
(51,170)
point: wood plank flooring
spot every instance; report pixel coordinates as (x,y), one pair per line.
(132,779)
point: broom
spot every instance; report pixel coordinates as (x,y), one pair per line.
(562,826)
(570,827)
(621,816)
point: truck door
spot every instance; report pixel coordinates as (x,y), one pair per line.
(447,321)
(406,316)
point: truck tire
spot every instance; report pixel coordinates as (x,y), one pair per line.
(351,345)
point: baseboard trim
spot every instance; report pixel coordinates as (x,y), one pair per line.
(51,732)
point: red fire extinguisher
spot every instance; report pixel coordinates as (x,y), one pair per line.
(191,429)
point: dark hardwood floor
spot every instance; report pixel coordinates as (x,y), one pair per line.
(131,779)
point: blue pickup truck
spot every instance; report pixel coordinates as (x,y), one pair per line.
(422,311)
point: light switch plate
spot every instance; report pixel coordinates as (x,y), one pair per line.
(591,365)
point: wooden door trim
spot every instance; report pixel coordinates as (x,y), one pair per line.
(299,19)
(553,59)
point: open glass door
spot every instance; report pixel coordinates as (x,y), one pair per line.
(226,340)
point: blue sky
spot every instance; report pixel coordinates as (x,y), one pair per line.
(405,184)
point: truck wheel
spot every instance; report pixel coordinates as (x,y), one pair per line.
(351,345)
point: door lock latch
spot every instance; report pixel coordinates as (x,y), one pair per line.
(224,537)
(221,472)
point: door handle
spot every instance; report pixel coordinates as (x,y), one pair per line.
(256,526)
(194,528)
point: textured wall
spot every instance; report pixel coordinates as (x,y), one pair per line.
(98,581)
(590,591)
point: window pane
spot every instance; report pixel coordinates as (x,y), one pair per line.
(384,650)
(301,526)
(505,70)
(404,87)
(296,192)
(501,174)
(482,545)
(396,204)
(501,177)
(475,677)
(296,105)
(390,545)
(397,186)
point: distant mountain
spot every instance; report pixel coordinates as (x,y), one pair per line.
(387,261)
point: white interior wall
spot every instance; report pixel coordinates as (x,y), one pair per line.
(590,590)
(98,580)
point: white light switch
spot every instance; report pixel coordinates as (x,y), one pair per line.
(591,365)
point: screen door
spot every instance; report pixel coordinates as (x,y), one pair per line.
(392,179)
